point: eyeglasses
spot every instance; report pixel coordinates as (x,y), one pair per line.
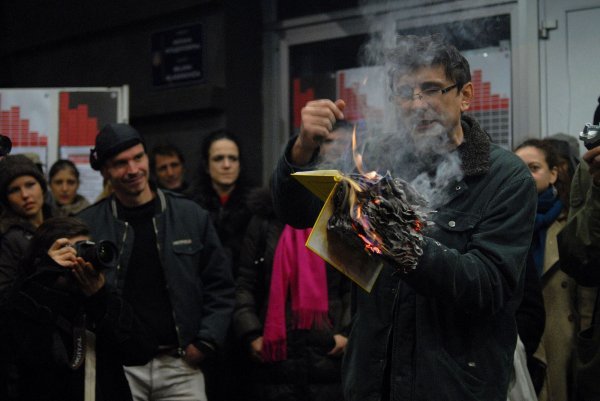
(405,94)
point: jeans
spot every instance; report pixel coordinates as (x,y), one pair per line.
(166,378)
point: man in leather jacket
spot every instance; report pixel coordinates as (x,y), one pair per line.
(172,268)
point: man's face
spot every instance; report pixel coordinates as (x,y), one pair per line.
(224,163)
(431,116)
(128,172)
(169,171)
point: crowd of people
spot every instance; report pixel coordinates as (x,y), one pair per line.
(170,289)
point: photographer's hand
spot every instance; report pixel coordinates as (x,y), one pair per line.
(89,279)
(63,253)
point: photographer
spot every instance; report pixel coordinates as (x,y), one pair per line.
(579,247)
(579,241)
(64,335)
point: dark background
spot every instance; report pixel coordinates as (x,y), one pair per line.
(99,43)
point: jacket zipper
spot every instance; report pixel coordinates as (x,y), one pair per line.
(180,349)
(123,239)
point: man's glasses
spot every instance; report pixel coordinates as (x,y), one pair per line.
(405,94)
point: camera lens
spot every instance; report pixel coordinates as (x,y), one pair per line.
(104,253)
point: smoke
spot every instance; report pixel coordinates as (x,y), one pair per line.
(386,140)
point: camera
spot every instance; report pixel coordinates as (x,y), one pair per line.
(590,136)
(5,145)
(102,254)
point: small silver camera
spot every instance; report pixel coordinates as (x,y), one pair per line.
(590,136)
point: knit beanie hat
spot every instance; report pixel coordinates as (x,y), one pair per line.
(15,166)
(112,140)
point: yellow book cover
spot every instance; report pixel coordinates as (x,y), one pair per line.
(355,263)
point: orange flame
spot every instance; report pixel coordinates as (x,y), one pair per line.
(355,155)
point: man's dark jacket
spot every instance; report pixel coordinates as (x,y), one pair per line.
(197,268)
(445,331)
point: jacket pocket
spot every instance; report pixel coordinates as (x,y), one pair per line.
(453,228)
(186,246)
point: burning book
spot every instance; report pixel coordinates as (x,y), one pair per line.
(379,213)
(365,220)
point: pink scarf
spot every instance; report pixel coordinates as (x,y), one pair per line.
(303,272)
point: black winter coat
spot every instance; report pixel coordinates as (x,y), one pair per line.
(308,373)
(15,234)
(230,220)
(37,337)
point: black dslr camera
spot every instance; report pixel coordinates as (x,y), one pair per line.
(102,254)
(5,145)
(590,136)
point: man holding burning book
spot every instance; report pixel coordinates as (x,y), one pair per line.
(439,321)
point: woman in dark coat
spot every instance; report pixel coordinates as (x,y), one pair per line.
(223,190)
(22,190)
(311,368)
(45,349)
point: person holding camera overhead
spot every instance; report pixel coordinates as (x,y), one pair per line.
(22,189)
(579,248)
(172,267)
(64,335)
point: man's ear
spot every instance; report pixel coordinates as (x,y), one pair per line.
(467,94)
(104,172)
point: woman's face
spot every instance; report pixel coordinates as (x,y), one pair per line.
(64,186)
(26,197)
(535,159)
(224,163)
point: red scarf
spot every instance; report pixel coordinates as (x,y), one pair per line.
(303,272)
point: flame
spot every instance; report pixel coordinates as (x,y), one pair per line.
(358,160)
(371,239)
(355,155)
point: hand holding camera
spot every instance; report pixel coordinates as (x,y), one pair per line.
(87,261)
(591,139)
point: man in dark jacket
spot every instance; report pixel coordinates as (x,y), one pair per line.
(172,267)
(444,330)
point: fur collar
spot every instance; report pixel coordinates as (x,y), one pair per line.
(475,150)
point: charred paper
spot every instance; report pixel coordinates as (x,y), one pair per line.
(380,214)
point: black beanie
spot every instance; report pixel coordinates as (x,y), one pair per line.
(15,166)
(111,140)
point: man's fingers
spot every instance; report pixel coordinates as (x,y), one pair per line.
(341,105)
(324,108)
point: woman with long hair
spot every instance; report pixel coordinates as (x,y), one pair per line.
(223,189)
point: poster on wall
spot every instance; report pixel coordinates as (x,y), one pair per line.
(491,77)
(29,119)
(55,123)
(81,115)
